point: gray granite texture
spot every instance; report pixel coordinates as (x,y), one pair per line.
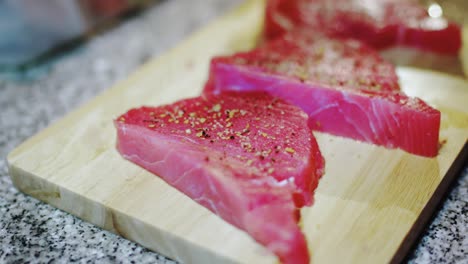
(31,231)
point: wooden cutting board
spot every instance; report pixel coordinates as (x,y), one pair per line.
(370,205)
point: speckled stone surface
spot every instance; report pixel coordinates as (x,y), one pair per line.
(31,231)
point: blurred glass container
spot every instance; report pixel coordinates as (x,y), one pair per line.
(456,10)
(29,28)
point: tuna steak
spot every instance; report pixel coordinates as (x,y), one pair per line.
(248,157)
(380,23)
(344,87)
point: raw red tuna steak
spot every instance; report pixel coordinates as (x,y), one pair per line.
(248,157)
(380,23)
(343,85)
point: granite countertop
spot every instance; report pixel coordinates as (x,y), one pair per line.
(32,231)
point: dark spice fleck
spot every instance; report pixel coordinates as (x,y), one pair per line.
(205,135)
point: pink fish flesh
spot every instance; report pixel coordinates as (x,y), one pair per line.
(248,157)
(380,23)
(344,87)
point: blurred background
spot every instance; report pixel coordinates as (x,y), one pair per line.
(456,10)
(32,29)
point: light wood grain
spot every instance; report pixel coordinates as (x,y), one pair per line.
(366,203)
(464,51)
